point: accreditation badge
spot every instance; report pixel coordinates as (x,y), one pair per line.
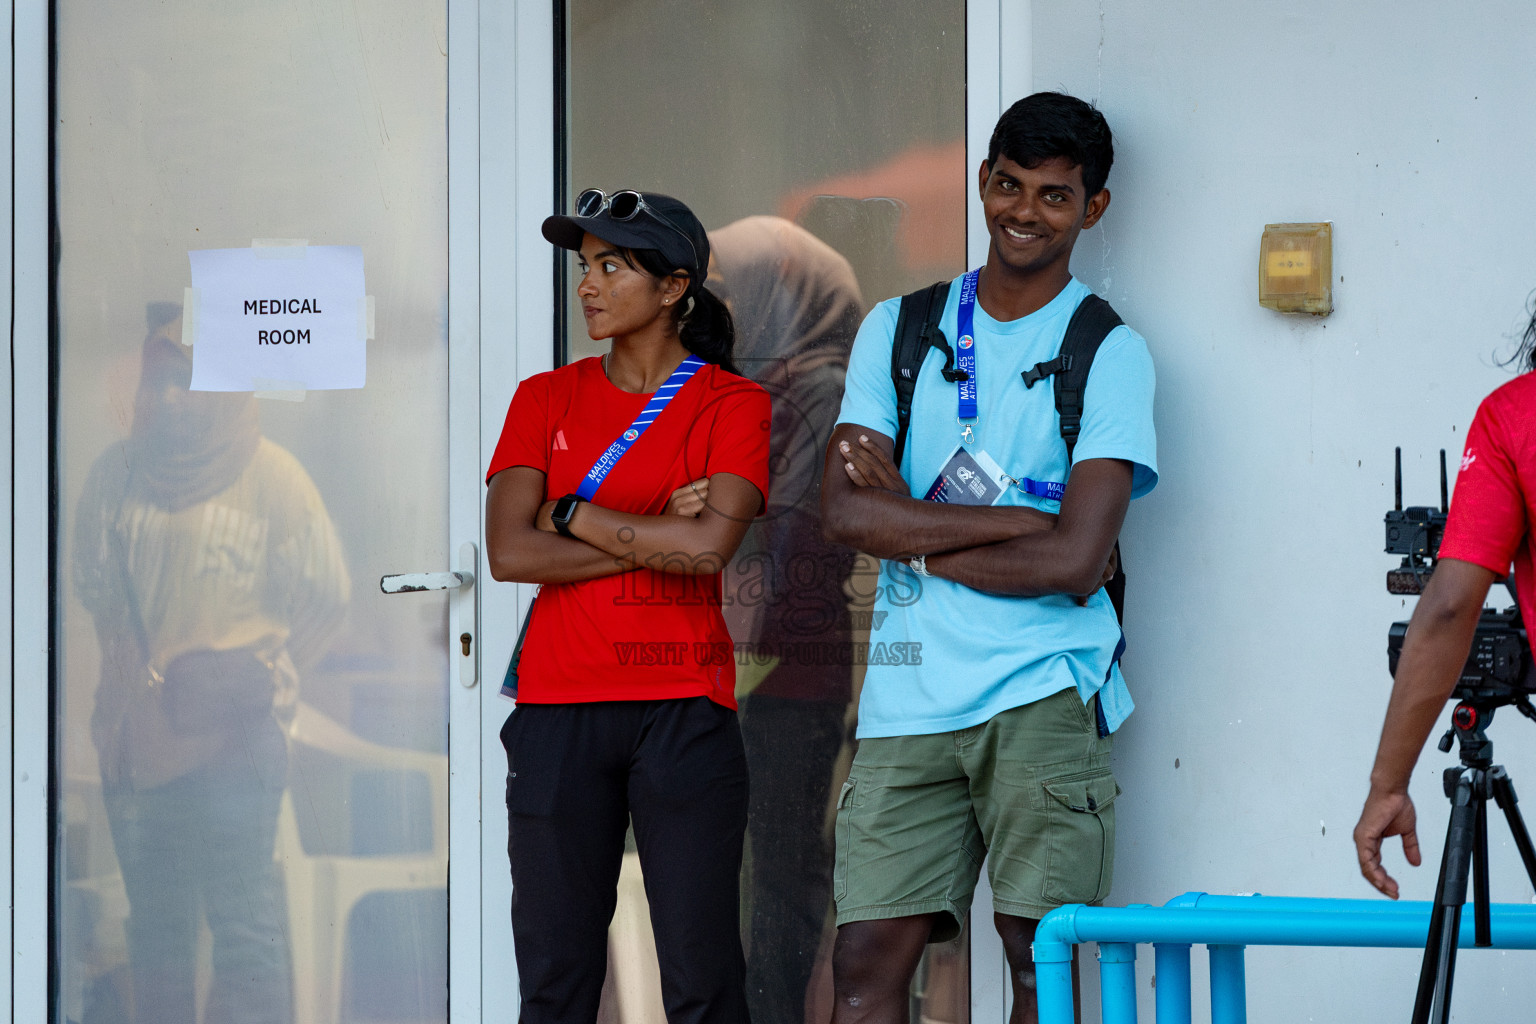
(969,477)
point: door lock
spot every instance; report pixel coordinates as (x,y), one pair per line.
(460,583)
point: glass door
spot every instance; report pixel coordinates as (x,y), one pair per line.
(824,147)
(251,744)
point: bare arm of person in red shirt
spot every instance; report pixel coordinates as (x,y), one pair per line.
(1434,651)
(524,547)
(999,549)
(519,552)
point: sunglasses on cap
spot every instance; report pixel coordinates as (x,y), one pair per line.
(626,206)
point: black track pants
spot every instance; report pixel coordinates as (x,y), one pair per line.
(576,774)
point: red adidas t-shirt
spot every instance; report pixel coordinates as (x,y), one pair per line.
(641,635)
(1494,506)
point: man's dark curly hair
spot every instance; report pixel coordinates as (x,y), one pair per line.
(1050,124)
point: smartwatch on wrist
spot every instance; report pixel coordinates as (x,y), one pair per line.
(561,514)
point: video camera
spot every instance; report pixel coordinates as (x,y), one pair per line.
(1497,668)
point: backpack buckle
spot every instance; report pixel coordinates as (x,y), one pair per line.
(1040,371)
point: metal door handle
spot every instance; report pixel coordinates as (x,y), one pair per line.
(464,608)
(416,582)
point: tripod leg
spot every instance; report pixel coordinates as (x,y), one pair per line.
(1443,961)
(1504,793)
(1482,925)
(1439,967)
(1428,970)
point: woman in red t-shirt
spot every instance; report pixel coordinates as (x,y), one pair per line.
(1488,531)
(626,504)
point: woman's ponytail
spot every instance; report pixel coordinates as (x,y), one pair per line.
(704,323)
(707,330)
(1527,351)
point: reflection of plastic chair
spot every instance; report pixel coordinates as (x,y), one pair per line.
(93,958)
(363,843)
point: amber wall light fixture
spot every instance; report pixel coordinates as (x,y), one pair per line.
(1296,268)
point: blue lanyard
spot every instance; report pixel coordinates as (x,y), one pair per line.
(610,458)
(966,408)
(1041,488)
(965,355)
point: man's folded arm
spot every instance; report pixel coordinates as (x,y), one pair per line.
(1068,558)
(879,516)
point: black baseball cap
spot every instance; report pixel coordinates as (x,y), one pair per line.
(658,222)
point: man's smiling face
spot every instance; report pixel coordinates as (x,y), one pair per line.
(1034,214)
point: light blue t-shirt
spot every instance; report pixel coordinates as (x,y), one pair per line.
(982,653)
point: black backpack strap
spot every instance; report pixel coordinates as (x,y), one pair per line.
(917,329)
(1116,589)
(1035,374)
(1090,325)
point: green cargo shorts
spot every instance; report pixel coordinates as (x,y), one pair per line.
(918,814)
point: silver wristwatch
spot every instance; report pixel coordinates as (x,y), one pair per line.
(919,564)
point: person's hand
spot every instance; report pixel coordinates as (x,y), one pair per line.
(544,521)
(869,466)
(1108,574)
(689,499)
(1385,814)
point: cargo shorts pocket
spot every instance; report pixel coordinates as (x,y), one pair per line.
(843,840)
(1080,836)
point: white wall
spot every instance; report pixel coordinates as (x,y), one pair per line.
(1257,610)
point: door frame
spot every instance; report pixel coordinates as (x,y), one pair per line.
(467,859)
(502,153)
(28,381)
(29,61)
(514,155)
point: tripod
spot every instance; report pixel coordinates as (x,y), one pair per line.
(1466,846)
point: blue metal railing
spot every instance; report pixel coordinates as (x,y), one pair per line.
(1226,924)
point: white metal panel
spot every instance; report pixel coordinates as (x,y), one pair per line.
(8,598)
(1015,51)
(465,861)
(517,302)
(983,103)
(30,568)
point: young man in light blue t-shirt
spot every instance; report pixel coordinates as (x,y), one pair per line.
(990,736)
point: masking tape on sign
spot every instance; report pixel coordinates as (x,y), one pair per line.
(188,316)
(279,390)
(279,248)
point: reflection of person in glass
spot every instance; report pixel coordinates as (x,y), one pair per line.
(211,570)
(626,689)
(797,308)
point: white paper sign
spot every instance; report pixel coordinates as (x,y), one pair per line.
(295,318)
